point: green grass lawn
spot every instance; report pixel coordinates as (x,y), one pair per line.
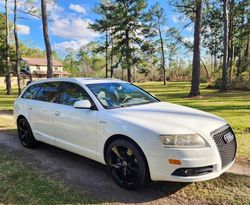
(6,101)
(22,184)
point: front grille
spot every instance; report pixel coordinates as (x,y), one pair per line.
(227,149)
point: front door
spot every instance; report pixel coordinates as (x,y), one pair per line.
(75,129)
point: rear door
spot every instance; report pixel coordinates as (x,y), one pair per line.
(75,128)
(26,101)
(42,112)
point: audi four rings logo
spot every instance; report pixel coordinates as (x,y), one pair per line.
(228,137)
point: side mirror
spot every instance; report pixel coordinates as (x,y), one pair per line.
(82,104)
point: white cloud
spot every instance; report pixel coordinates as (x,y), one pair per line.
(23,29)
(77,8)
(73,44)
(73,28)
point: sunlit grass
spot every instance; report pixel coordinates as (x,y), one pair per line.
(7,123)
(6,101)
(227,189)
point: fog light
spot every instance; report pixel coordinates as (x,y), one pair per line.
(188,172)
(194,171)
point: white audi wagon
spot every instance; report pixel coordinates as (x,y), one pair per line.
(119,124)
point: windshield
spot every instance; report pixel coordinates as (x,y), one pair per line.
(116,95)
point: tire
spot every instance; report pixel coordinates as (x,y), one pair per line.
(127,164)
(25,134)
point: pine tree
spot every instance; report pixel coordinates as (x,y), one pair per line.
(158,20)
(193,10)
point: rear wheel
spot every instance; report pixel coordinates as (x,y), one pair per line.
(126,164)
(25,134)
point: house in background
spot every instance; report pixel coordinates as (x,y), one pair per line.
(38,67)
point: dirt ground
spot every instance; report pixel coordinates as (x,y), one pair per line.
(87,175)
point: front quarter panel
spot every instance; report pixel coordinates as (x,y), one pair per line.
(108,126)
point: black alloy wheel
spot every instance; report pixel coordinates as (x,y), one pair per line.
(25,134)
(126,164)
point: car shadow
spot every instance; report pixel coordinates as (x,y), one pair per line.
(86,175)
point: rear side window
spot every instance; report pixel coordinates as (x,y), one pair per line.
(71,93)
(31,92)
(48,92)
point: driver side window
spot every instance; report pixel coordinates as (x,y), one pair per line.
(71,93)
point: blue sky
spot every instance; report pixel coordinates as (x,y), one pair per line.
(68,25)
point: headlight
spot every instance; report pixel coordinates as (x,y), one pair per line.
(183,141)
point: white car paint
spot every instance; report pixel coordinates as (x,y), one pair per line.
(85,131)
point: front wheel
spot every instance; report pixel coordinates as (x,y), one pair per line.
(126,164)
(25,134)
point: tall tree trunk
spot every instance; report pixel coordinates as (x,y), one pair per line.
(7,72)
(246,63)
(128,56)
(225,49)
(46,39)
(111,58)
(231,59)
(247,53)
(195,87)
(162,54)
(106,54)
(215,61)
(17,47)
(230,40)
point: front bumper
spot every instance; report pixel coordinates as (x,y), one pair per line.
(167,175)
(198,158)
(161,170)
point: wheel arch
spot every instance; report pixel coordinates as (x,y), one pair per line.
(21,117)
(120,136)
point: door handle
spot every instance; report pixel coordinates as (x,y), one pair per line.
(57,113)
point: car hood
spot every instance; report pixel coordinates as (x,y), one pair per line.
(168,118)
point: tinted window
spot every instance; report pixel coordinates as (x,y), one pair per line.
(71,93)
(48,92)
(31,92)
